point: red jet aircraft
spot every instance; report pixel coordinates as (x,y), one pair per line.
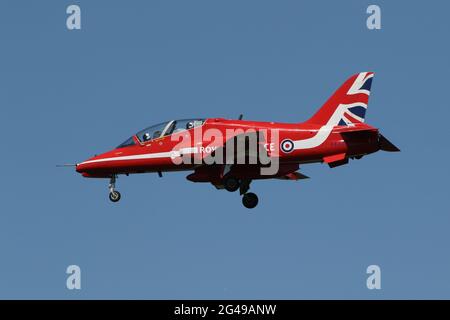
(230,154)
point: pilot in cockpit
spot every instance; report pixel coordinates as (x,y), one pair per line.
(189,125)
(146,136)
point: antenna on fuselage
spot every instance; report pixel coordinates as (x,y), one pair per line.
(241,116)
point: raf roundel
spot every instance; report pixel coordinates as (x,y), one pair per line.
(287,145)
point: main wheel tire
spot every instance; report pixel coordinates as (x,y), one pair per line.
(114,196)
(231,184)
(250,200)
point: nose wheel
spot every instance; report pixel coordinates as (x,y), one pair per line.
(114,195)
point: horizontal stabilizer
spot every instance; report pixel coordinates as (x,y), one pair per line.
(334,158)
(386,145)
(338,163)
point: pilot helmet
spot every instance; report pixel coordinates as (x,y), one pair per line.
(190,125)
(146,136)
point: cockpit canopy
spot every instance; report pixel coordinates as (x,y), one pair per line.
(163,129)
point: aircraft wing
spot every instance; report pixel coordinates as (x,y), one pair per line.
(294,176)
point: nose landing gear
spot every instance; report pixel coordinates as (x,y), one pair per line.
(114,195)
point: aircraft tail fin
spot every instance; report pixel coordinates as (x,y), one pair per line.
(348,105)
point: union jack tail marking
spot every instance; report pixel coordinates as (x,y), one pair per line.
(348,105)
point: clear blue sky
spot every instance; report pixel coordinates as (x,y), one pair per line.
(66,95)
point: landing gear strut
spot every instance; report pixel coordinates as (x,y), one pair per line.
(114,195)
(231,184)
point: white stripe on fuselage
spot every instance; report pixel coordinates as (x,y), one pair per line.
(134,157)
(170,154)
(324,132)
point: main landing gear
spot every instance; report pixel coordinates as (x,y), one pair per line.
(249,199)
(231,184)
(114,195)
